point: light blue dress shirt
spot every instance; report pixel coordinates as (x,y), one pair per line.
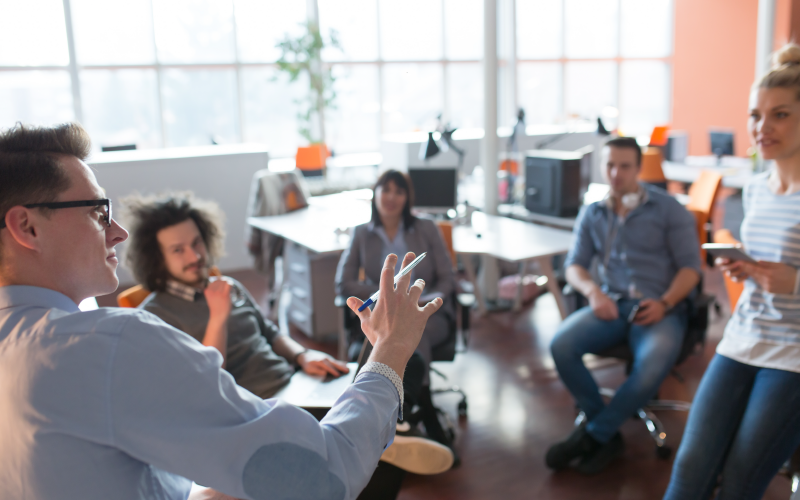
(642,253)
(114,403)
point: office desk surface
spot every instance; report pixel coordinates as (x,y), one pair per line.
(509,239)
(735,175)
(322,227)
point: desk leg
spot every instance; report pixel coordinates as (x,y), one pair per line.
(546,265)
(474,280)
(518,296)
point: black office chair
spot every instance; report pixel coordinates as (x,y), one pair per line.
(693,342)
(446,351)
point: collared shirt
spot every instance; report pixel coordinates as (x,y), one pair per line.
(638,256)
(182,291)
(114,403)
(396,246)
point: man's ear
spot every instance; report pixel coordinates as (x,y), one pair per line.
(20,226)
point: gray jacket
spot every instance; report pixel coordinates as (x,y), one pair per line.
(366,251)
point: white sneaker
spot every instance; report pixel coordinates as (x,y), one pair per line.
(418,455)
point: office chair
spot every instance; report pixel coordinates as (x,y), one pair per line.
(693,341)
(702,194)
(651,171)
(446,351)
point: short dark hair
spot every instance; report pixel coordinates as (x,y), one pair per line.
(29,162)
(402,182)
(626,142)
(145,216)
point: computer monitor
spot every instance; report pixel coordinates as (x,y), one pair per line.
(721,142)
(435,188)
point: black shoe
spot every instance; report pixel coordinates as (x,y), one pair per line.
(599,459)
(578,444)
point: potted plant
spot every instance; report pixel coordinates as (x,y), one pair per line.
(302,56)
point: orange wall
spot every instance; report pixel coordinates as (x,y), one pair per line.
(713,68)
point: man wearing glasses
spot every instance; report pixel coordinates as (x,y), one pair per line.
(114,403)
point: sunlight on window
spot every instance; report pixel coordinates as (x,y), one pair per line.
(269,110)
(644,96)
(464,95)
(646,29)
(539,91)
(411,30)
(539,29)
(113,32)
(36,97)
(200,107)
(261,24)
(357,26)
(194,31)
(27,43)
(123,108)
(354,125)
(412,96)
(463,29)
(591,28)
(588,88)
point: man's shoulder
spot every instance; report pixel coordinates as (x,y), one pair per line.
(661,197)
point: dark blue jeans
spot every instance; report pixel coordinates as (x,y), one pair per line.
(655,350)
(744,424)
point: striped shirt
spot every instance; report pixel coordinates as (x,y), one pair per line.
(764,329)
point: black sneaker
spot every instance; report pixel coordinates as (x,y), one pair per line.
(598,460)
(578,444)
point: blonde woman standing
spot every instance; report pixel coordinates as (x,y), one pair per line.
(745,419)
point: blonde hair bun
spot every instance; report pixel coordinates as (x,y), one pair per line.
(788,54)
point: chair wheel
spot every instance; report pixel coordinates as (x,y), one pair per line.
(663,452)
(462,408)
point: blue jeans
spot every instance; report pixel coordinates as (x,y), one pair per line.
(744,424)
(655,349)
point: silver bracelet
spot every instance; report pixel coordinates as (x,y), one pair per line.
(392,375)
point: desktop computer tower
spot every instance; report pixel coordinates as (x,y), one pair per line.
(553,182)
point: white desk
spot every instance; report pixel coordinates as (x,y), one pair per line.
(736,172)
(322,229)
(513,241)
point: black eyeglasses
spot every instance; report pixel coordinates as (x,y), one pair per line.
(71,204)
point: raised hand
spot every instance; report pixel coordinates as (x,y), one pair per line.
(396,324)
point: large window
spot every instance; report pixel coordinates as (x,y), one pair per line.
(583,59)
(159,73)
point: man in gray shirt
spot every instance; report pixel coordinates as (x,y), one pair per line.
(174,241)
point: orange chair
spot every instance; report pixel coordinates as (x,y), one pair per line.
(702,194)
(651,171)
(733,288)
(135,295)
(446,228)
(659,136)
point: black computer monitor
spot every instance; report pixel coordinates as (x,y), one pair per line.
(721,142)
(435,188)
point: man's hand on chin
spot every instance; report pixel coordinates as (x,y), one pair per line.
(318,363)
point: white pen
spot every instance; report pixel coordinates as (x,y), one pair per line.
(399,275)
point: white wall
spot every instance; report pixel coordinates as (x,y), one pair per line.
(219,173)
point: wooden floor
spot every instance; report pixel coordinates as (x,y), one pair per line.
(518,407)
